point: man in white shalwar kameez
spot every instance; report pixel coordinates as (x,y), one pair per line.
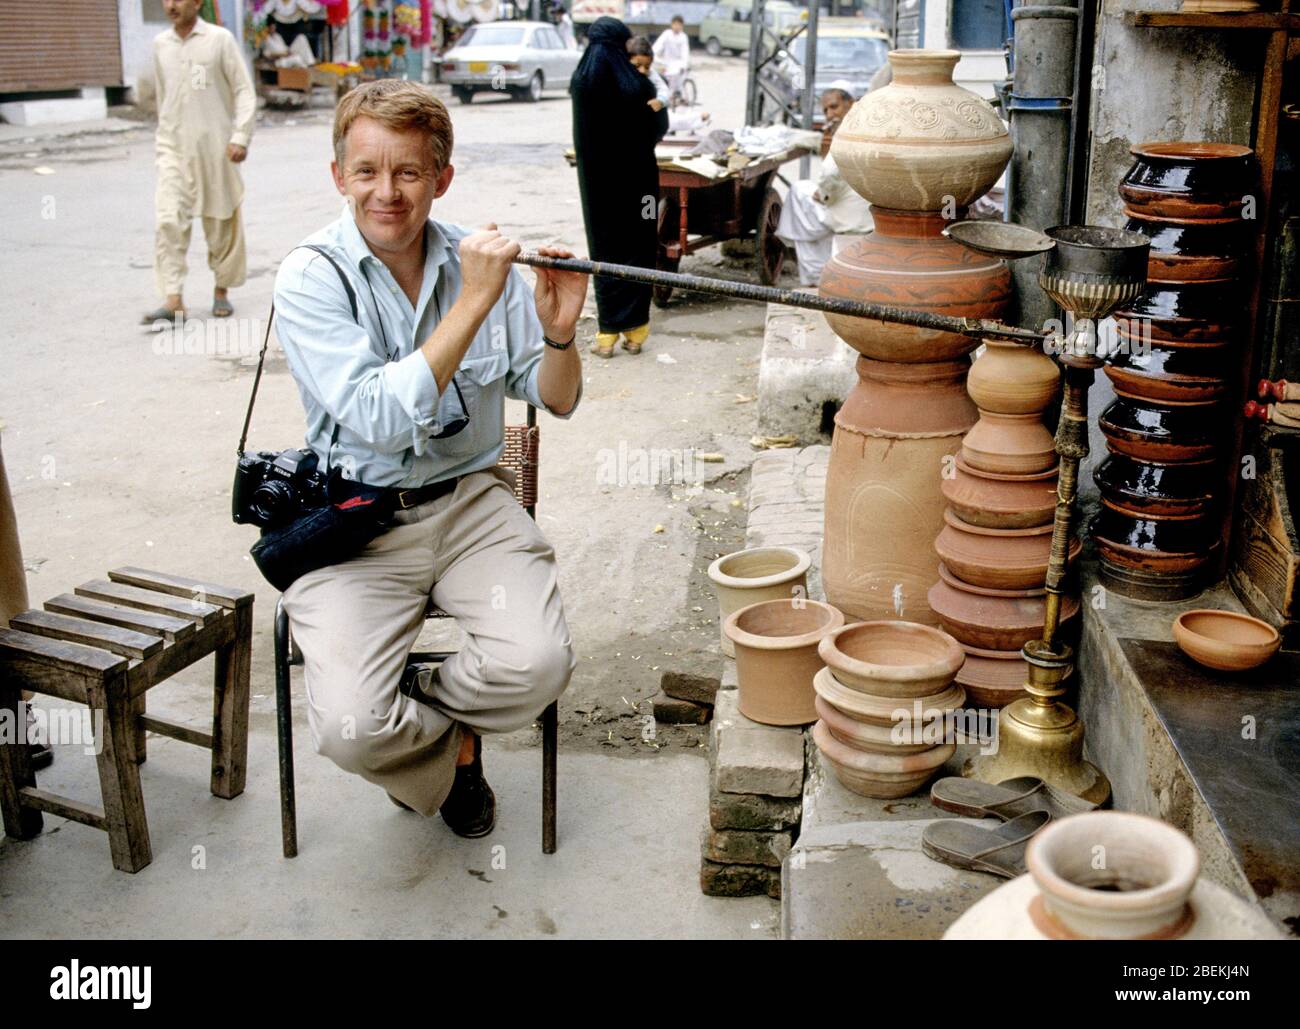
(206,109)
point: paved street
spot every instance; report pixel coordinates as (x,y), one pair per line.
(120,446)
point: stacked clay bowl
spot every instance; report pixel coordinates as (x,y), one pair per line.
(1172,367)
(882,701)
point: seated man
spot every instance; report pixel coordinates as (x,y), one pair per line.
(409,394)
(815,210)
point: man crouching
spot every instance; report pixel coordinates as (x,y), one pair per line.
(409,394)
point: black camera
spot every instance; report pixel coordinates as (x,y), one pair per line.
(274,489)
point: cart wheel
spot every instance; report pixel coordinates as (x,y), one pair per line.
(661,294)
(771,251)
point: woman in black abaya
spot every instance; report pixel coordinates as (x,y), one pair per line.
(614,137)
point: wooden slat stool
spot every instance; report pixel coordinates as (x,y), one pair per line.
(105,645)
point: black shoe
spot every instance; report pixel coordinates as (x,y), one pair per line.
(418,681)
(41,755)
(470,809)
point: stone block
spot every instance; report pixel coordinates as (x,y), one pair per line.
(719,880)
(735,847)
(674,711)
(767,761)
(698,689)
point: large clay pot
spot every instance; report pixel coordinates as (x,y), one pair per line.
(921,141)
(999,559)
(906,261)
(761,573)
(1188,180)
(776,657)
(1147,888)
(1009,444)
(1008,378)
(1190,249)
(1000,501)
(884,504)
(892,659)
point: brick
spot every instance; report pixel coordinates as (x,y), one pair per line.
(672,711)
(767,761)
(732,847)
(698,689)
(751,812)
(729,678)
(719,880)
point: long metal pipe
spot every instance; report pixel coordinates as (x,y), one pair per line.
(977,328)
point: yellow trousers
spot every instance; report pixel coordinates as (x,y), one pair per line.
(225,239)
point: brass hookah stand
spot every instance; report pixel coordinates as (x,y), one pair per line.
(1089,271)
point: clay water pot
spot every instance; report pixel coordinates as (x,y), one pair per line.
(1172,375)
(999,559)
(1161,433)
(921,141)
(1188,180)
(998,501)
(862,735)
(1007,378)
(1146,889)
(1146,488)
(892,659)
(883,500)
(884,776)
(1190,249)
(865,707)
(776,657)
(1009,444)
(993,623)
(1225,640)
(761,573)
(906,261)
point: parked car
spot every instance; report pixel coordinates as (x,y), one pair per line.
(725,29)
(847,51)
(524,58)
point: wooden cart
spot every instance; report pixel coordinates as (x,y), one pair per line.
(696,211)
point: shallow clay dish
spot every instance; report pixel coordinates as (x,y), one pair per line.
(892,659)
(881,710)
(1225,640)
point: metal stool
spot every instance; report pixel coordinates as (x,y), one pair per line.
(520,456)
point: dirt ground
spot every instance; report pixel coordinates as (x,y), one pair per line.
(120,444)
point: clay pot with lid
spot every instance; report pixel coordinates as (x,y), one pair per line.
(992,623)
(1000,501)
(776,657)
(1000,559)
(1009,444)
(907,261)
(1007,378)
(1188,180)
(892,659)
(921,141)
(760,573)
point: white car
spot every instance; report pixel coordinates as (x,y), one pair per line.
(522,58)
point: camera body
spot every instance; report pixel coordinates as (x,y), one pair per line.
(274,489)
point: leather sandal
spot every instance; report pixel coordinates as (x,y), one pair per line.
(998,851)
(1006,800)
(470,809)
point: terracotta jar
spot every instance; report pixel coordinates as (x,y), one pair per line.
(892,659)
(1000,559)
(992,623)
(906,261)
(1000,501)
(883,776)
(921,140)
(1009,444)
(1188,180)
(1147,888)
(884,504)
(761,573)
(1007,378)
(865,707)
(776,657)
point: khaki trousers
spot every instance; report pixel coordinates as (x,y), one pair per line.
(174,205)
(485,563)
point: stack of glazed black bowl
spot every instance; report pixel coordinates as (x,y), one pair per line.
(1173,364)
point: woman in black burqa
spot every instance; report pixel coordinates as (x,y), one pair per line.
(614,137)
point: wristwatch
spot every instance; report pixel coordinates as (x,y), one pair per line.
(558,346)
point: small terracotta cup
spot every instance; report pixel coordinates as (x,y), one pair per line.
(776,657)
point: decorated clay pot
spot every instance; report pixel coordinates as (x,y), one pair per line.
(1158,489)
(1000,501)
(1188,180)
(886,711)
(1011,379)
(1146,888)
(1172,375)
(1166,434)
(884,505)
(1190,249)
(761,573)
(906,261)
(892,659)
(1009,444)
(992,623)
(921,141)
(1000,559)
(776,657)
(872,774)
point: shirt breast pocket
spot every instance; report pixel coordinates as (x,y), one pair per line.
(479,385)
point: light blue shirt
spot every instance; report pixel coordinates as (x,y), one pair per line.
(367,376)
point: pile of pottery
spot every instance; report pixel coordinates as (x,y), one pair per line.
(1172,366)
(997,533)
(882,701)
(916,149)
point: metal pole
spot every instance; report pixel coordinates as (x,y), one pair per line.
(810,97)
(754,93)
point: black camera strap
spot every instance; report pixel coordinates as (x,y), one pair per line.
(266,341)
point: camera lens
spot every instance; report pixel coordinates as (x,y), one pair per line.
(272,502)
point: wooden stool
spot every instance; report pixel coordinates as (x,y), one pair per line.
(105,645)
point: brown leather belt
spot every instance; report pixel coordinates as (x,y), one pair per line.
(409,498)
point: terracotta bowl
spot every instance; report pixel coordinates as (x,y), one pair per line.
(776,657)
(882,710)
(992,623)
(1009,444)
(999,559)
(885,776)
(892,659)
(998,501)
(861,735)
(1225,640)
